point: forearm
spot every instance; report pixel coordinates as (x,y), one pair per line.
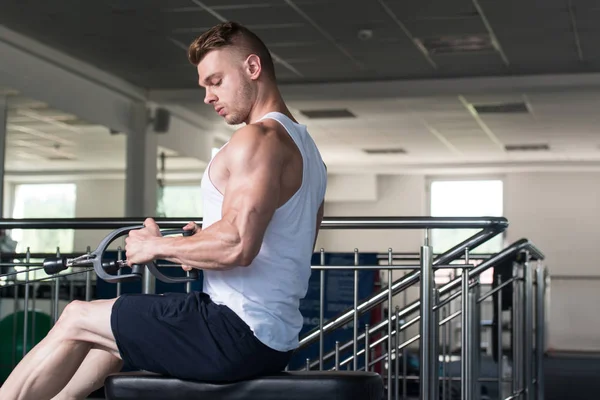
(219,247)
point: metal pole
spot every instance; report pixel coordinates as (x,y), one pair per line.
(26,303)
(355,330)
(475,345)
(3,136)
(389,342)
(337,355)
(15,310)
(516,333)
(404,351)
(367,348)
(444,353)
(321,310)
(425,322)
(540,331)
(528,327)
(119,258)
(88,281)
(434,347)
(464,356)
(397,356)
(499,343)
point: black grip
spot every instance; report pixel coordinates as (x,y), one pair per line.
(54,265)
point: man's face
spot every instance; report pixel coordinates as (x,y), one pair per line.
(228,90)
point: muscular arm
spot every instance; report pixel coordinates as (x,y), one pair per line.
(255,163)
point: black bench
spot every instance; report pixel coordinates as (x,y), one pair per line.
(301,385)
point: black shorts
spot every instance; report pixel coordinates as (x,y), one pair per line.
(187,336)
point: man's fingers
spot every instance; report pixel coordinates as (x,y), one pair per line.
(190,226)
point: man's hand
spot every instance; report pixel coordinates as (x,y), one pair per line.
(141,244)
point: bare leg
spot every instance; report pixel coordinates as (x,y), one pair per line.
(49,367)
(90,376)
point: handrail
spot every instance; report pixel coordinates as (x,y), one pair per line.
(514,248)
(401,284)
(328,223)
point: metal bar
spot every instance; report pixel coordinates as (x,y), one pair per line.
(445,354)
(308,364)
(15,310)
(396,356)
(56,302)
(367,348)
(426,311)
(368,267)
(528,327)
(475,345)
(434,380)
(465,337)
(46,278)
(540,331)
(516,333)
(88,285)
(26,306)
(499,342)
(328,223)
(413,277)
(355,327)
(337,355)
(389,344)
(321,310)
(493,291)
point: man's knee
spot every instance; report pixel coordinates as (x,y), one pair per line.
(72,318)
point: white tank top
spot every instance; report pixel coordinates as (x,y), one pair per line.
(266,294)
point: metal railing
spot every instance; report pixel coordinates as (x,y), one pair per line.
(433,314)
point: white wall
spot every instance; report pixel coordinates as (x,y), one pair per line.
(560,213)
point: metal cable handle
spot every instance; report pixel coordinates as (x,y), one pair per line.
(104,270)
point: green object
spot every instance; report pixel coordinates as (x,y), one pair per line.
(11,350)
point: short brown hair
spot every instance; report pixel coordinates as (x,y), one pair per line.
(232,34)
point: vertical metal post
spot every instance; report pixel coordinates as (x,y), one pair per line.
(149,282)
(434,346)
(26,302)
(475,345)
(389,341)
(499,343)
(337,355)
(119,258)
(308,364)
(15,310)
(404,353)
(528,327)
(367,347)
(321,310)
(355,327)
(464,351)
(444,354)
(425,321)
(516,334)
(88,281)
(540,340)
(397,355)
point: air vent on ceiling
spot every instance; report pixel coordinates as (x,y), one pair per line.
(501,108)
(331,113)
(527,147)
(60,158)
(385,151)
(457,44)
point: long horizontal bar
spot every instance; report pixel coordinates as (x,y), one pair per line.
(386,267)
(328,223)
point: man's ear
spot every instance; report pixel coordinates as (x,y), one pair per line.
(253,66)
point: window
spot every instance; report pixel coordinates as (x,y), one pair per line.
(473,198)
(44,201)
(477,198)
(182,201)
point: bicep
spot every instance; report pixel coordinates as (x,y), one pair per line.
(252,191)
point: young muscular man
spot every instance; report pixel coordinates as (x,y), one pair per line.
(263,205)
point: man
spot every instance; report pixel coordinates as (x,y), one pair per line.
(263,205)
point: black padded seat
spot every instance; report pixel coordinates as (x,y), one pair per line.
(301,385)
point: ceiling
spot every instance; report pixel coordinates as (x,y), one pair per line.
(322,42)
(144,41)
